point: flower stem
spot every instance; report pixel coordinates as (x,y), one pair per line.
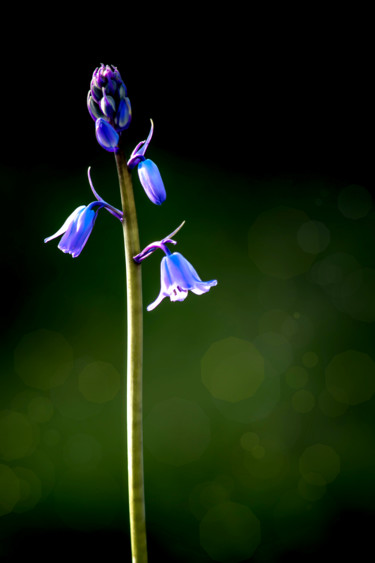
(134,365)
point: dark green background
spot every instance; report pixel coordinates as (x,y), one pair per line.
(261,136)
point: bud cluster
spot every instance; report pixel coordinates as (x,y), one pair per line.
(109,106)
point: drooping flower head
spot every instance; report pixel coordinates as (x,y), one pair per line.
(148,172)
(109,106)
(79,225)
(177,275)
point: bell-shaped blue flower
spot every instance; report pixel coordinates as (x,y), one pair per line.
(148,172)
(79,225)
(76,230)
(178,277)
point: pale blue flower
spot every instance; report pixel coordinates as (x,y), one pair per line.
(177,275)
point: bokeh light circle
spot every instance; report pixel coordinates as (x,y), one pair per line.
(310,359)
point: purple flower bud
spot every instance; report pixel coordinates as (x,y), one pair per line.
(151,181)
(178,277)
(106,135)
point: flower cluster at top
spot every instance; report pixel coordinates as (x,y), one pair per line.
(109,106)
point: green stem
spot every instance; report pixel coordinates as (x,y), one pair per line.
(134,365)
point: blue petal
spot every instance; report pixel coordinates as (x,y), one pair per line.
(124,114)
(151,181)
(108,106)
(106,136)
(78,233)
(72,217)
(93,108)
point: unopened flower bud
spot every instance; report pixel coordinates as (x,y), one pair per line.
(151,181)
(106,135)
(107,100)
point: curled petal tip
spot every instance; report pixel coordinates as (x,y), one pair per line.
(174,233)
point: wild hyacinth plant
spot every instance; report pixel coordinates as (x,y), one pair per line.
(109,107)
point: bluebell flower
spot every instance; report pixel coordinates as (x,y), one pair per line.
(107,100)
(148,172)
(79,225)
(178,276)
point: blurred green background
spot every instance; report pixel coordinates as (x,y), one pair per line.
(258,396)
